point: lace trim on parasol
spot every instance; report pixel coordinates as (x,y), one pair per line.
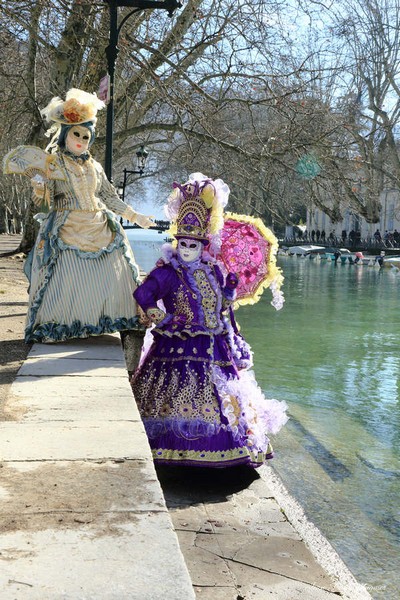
(274,279)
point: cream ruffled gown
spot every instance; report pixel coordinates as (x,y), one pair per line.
(82,270)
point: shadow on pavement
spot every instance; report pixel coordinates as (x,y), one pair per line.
(184,486)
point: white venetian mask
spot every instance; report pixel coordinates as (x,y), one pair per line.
(77,140)
(189,250)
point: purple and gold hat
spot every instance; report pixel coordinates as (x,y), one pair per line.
(196,208)
(193,218)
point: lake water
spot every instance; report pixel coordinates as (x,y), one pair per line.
(333,353)
(146,246)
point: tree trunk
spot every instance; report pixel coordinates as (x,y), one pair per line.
(30,229)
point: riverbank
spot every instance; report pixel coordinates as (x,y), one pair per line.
(372,249)
(240,533)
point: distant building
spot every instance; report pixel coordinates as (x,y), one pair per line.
(389,219)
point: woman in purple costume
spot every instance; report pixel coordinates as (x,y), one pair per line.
(199,403)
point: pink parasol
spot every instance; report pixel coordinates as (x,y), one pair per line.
(249,249)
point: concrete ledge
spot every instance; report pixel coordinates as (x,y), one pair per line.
(82,511)
(130,557)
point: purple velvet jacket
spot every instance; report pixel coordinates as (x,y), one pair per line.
(193,294)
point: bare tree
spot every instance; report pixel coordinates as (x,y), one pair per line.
(361,88)
(178,83)
(288,116)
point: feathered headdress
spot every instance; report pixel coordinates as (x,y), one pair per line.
(196,209)
(78,107)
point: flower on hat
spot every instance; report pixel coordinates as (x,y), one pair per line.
(76,112)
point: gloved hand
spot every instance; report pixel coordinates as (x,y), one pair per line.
(40,191)
(143,318)
(38,185)
(155,314)
(143,221)
(232,281)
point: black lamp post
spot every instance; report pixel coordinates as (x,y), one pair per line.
(141,155)
(112,53)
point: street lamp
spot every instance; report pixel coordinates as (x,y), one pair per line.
(141,157)
(112,53)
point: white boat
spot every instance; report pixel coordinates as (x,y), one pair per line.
(306,250)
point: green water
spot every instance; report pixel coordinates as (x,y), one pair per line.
(333,353)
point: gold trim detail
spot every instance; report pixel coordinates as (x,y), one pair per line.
(203,456)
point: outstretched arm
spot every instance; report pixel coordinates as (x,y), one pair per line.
(109,196)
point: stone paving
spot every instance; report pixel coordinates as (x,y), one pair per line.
(238,543)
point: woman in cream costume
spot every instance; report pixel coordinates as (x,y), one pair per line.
(82,270)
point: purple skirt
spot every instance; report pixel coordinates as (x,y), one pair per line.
(197,408)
